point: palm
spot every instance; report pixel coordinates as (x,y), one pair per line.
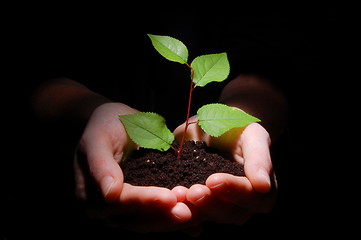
(103,145)
(230,199)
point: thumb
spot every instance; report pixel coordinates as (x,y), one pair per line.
(255,143)
(105,170)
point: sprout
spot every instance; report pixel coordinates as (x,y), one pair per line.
(149,130)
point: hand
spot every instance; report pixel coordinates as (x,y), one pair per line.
(232,199)
(103,145)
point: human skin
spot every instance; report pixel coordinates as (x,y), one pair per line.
(104,143)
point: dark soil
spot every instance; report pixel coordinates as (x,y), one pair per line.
(163,169)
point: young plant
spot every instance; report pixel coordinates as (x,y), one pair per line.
(149,130)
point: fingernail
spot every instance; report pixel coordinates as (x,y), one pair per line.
(106,185)
(181,213)
(217,186)
(200,199)
(264,174)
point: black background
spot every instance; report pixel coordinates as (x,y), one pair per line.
(300,47)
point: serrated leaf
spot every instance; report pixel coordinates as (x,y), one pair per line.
(148,130)
(216,119)
(170,48)
(210,68)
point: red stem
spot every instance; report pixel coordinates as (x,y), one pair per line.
(188,112)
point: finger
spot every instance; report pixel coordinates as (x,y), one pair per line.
(151,198)
(181,213)
(104,169)
(198,194)
(236,189)
(255,143)
(180,192)
(239,191)
(148,209)
(222,204)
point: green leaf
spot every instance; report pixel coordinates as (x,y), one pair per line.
(210,68)
(170,48)
(148,130)
(216,119)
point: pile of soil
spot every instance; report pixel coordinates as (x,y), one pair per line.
(154,168)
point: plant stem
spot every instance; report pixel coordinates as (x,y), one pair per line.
(175,149)
(188,111)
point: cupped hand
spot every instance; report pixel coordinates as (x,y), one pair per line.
(226,198)
(98,176)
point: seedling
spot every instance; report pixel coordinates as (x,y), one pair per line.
(149,130)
